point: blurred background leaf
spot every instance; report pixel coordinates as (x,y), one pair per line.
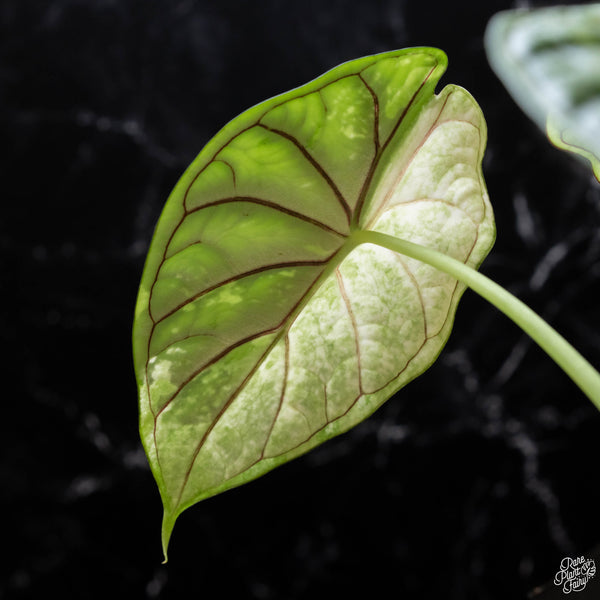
(549,60)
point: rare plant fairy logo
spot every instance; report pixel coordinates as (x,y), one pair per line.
(574,574)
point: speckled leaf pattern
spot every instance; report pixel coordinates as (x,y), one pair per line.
(549,60)
(261,328)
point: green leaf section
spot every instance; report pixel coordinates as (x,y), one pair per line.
(264,325)
(549,60)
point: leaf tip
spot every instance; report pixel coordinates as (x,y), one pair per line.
(167,529)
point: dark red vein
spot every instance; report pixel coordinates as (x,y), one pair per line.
(375,113)
(208,163)
(240,276)
(239,343)
(211,362)
(375,162)
(316,165)
(269,204)
(151,333)
(401,174)
(222,411)
(155,281)
(230,168)
(217,418)
(286,366)
(323,99)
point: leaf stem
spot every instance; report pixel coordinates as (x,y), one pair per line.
(573,364)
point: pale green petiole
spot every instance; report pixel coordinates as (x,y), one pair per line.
(573,364)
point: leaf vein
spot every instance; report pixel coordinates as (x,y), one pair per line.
(286,366)
(417,287)
(384,203)
(375,113)
(315,163)
(352,316)
(374,163)
(240,276)
(274,206)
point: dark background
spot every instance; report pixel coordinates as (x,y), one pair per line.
(474,482)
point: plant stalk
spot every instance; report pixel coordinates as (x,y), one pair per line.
(570,360)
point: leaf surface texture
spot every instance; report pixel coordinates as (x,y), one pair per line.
(262,329)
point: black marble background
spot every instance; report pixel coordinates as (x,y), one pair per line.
(474,482)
